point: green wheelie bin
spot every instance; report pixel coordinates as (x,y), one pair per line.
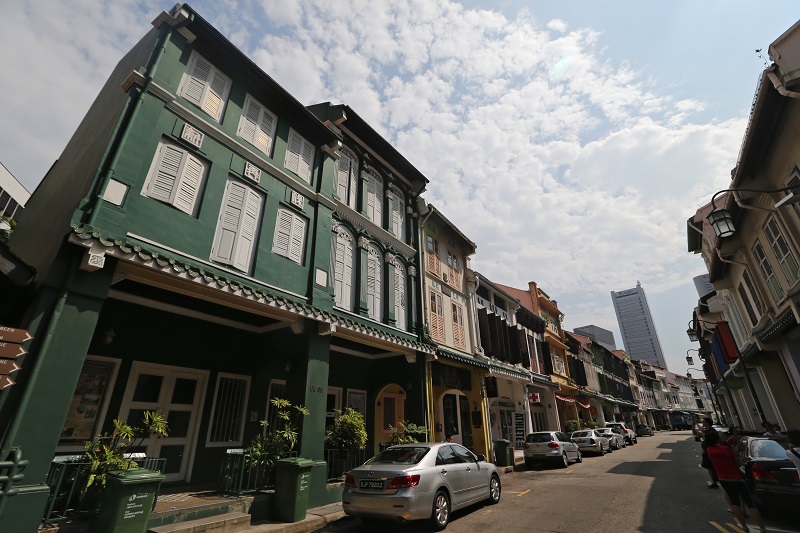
(127,500)
(292,483)
(502,452)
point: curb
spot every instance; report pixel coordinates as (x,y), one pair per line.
(315,519)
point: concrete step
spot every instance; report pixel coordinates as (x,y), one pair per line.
(223,523)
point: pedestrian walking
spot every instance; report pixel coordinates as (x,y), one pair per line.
(731,480)
(705,462)
(793,452)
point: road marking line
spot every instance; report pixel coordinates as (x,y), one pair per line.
(718,527)
(523,493)
(734,527)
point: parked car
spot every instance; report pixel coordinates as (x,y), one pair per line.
(771,476)
(550,446)
(589,440)
(615,438)
(629,434)
(420,481)
(643,430)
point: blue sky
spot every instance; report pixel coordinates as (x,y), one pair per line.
(569,140)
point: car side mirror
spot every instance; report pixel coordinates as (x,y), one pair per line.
(481,458)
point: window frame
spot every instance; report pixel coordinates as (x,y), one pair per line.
(767,272)
(782,250)
(400,303)
(436,301)
(305,148)
(257,126)
(240,236)
(242,415)
(203,100)
(347,282)
(350,197)
(374,276)
(180,179)
(298,224)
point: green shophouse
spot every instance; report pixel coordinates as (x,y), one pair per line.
(189,247)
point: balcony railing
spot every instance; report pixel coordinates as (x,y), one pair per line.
(67,478)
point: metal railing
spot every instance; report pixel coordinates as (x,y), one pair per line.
(241,473)
(340,462)
(67,478)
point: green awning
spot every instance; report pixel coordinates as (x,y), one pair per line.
(461,358)
(509,371)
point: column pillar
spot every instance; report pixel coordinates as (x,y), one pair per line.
(390,292)
(412,301)
(362,260)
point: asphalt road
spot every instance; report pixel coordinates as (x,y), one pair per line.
(655,486)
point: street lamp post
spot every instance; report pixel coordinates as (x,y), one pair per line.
(722,221)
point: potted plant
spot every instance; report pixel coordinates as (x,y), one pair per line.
(109,453)
(348,433)
(406,432)
(276,441)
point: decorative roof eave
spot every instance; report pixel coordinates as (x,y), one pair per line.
(782,323)
(543,380)
(175,266)
(461,357)
(499,368)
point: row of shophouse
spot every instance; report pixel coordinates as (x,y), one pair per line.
(206,243)
(749,238)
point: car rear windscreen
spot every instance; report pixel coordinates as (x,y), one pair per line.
(539,437)
(768,449)
(400,456)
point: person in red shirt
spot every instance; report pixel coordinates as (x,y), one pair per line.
(724,460)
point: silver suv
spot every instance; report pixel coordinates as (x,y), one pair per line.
(630,435)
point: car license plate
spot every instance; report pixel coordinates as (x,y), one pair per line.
(371,485)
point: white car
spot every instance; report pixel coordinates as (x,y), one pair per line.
(629,434)
(419,481)
(589,440)
(550,447)
(614,436)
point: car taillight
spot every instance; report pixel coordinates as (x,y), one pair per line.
(525,446)
(403,482)
(762,474)
(349,481)
(553,445)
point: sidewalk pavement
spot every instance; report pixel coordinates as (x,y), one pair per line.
(316,518)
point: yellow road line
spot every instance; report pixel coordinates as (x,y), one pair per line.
(718,527)
(523,493)
(734,527)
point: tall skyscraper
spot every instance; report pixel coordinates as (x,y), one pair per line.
(637,327)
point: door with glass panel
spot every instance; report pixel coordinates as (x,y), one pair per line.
(177,394)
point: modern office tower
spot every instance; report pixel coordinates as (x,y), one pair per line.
(13,195)
(602,336)
(637,327)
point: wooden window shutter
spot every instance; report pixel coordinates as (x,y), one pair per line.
(246,238)
(399,295)
(374,264)
(168,168)
(437,317)
(248,123)
(283,233)
(434,265)
(780,248)
(343,178)
(229,220)
(458,326)
(188,187)
(297,243)
(374,188)
(398,218)
(306,160)
(343,270)
(217,93)
(196,80)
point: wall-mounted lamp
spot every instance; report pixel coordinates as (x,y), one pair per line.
(721,220)
(692,331)
(689,359)
(108,336)
(689,375)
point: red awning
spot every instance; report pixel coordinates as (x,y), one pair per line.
(565,399)
(584,405)
(726,343)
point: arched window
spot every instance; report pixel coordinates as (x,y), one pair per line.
(374,198)
(347,182)
(397,223)
(374,275)
(343,272)
(400,294)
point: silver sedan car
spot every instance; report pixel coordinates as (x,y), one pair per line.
(614,437)
(589,440)
(420,481)
(552,447)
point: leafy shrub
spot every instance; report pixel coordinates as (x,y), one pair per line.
(277,441)
(407,432)
(348,431)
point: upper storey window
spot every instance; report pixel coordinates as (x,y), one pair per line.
(397,221)
(257,125)
(783,253)
(205,86)
(176,177)
(374,198)
(347,177)
(299,156)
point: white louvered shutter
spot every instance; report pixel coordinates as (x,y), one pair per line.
(246,238)
(188,187)
(168,168)
(374,283)
(399,295)
(216,94)
(266,131)
(343,178)
(338,270)
(197,78)
(248,124)
(458,327)
(229,220)
(780,247)
(374,189)
(283,233)
(297,242)
(398,218)
(306,161)
(295,145)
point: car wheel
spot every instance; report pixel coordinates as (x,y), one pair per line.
(564,461)
(580,457)
(441,511)
(494,490)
